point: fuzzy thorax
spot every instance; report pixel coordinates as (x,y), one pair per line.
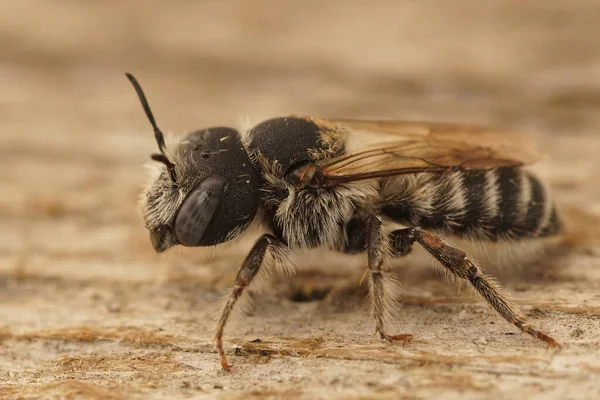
(310,217)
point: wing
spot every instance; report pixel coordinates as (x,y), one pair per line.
(376,149)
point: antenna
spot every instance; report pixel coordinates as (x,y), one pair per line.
(160,139)
(161,158)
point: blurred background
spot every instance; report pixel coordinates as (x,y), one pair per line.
(74,138)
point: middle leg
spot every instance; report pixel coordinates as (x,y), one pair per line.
(382,286)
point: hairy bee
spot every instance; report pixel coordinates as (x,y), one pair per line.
(330,183)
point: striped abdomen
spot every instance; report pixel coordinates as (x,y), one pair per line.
(503,203)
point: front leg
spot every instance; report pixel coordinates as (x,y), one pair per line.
(247,272)
(383,288)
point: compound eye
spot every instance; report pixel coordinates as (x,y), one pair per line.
(198,210)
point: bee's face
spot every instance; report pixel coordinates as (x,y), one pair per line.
(159,208)
(205,193)
(214,195)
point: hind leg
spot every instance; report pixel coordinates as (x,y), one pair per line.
(464,267)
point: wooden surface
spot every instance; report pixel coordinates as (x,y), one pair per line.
(89,311)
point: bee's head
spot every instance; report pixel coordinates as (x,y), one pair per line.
(205,193)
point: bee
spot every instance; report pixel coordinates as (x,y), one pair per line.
(332,183)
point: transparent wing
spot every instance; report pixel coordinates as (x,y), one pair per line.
(388,148)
